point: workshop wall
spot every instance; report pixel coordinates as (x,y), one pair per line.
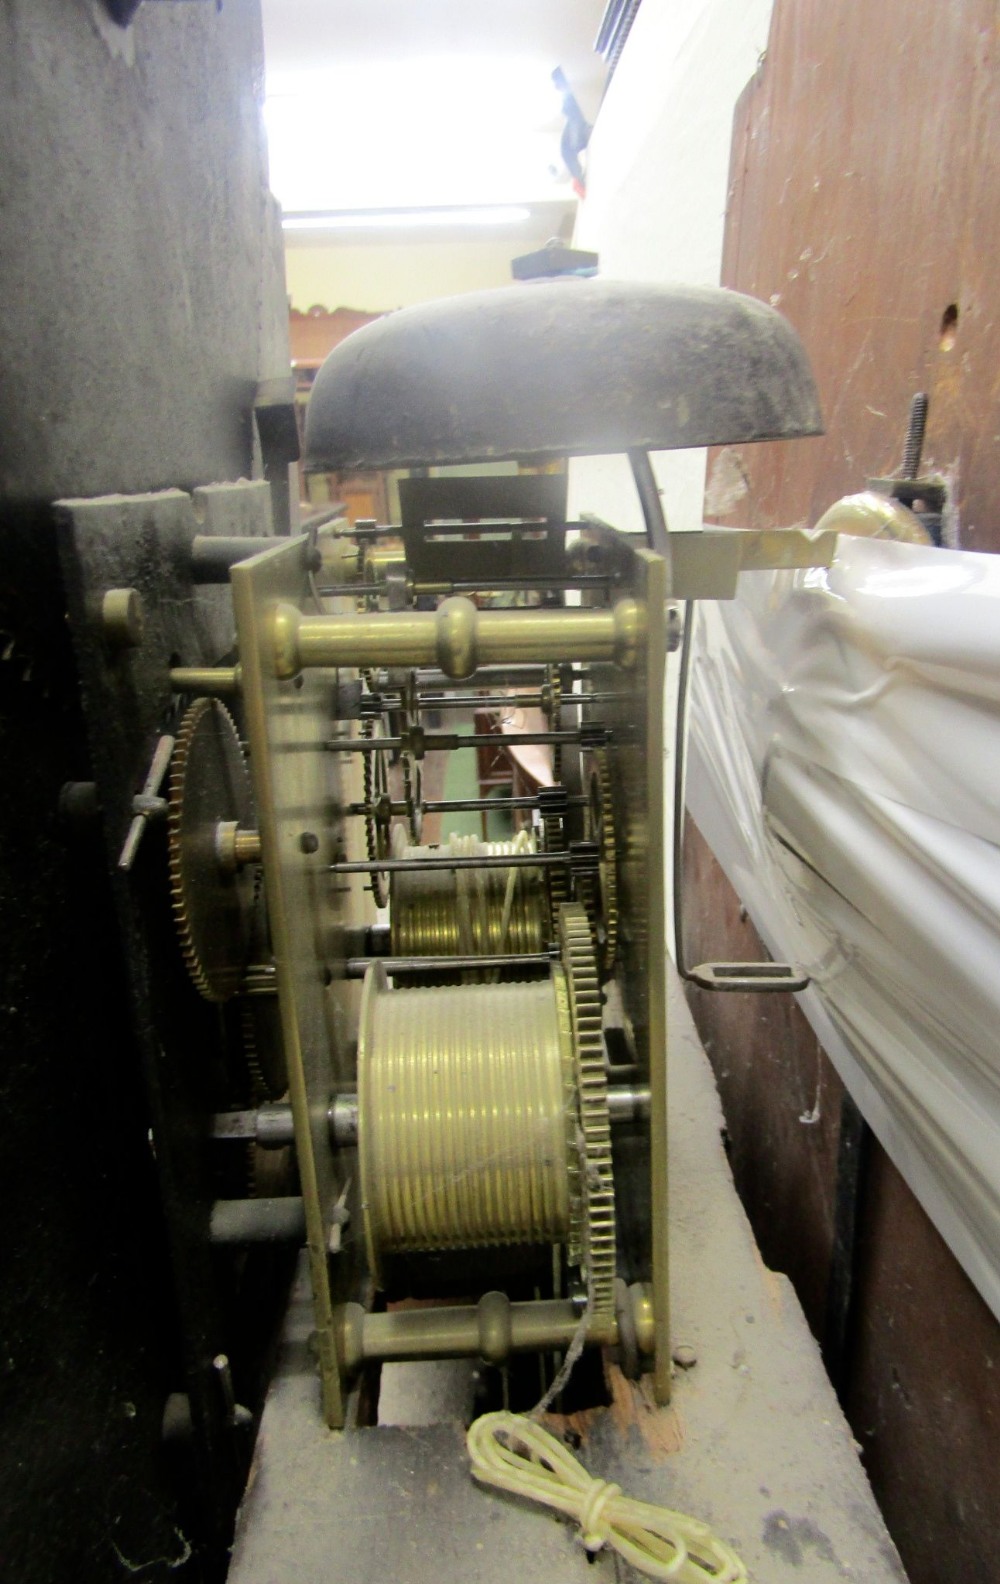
(376,276)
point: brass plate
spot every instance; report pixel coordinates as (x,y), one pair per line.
(636,765)
(300,790)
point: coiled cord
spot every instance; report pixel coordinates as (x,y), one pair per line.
(516,1455)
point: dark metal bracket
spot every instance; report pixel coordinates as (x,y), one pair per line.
(755,976)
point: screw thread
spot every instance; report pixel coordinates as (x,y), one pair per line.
(915,436)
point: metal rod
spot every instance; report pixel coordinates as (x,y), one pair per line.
(357,967)
(761,978)
(319,519)
(652,505)
(427,677)
(478,701)
(628,1102)
(915,436)
(241,1221)
(397,808)
(680,768)
(457,635)
(342,1118)
(273,1127)
(217,681)
(493,1329)
(260,979)
(448,742)
(446,861)
(514,585)
(370,528)
(475,805)
(498,585)
(488,805)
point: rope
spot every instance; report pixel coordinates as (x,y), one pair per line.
(522,843)
(513,1454)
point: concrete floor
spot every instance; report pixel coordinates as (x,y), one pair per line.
(754,1442)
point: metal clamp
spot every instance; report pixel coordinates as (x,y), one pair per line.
(756,976)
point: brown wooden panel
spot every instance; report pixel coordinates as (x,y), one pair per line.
(314,335)
(925,1399)
(771,1073)
(863,202)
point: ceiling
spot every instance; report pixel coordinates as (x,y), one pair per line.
(391,105)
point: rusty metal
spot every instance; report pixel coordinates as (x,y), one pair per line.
(575,367)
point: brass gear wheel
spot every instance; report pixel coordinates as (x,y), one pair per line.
(603,897)
(213,910)
(378,831)
(596,1180)
(557,875)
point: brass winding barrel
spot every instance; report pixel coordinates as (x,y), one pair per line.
(469,912)
(467,1130)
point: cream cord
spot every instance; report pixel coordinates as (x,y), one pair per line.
(516,1455)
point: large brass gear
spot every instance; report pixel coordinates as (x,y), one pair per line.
(603,898)
(213,909)
(596,1179)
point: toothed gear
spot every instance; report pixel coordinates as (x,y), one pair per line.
(413,793)
(554,679)
(557,875)
(213,910)
(378,833)
(602,898)
(596,1181)
(260,1026)
(553,832)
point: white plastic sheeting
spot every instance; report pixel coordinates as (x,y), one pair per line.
(844,765)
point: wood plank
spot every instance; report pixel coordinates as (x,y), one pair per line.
(863,204)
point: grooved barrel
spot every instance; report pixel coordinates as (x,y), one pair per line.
(469,912)
(466,1114)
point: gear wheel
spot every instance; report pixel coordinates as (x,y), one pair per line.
(557,875)
(553,832)
(554,682)
(377,829)
(596,1181)
(602,899)
(413,796)
(213,910)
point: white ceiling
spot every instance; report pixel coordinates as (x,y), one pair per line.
(406,104)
